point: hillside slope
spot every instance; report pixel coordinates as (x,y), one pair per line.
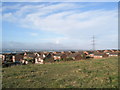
(94,73)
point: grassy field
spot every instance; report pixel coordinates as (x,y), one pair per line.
(94,73)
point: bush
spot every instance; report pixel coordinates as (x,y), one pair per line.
(87,57)
(29,60)
(62,59)
(57,60)
(68,59)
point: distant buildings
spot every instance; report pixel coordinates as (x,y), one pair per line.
(45,57)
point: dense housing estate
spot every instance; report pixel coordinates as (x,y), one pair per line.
(49,57)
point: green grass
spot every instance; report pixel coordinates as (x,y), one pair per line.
(94,73)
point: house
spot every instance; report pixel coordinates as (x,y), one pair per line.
(0,56)
(70,52)
(100,51)
(29,55)
(42,54)
(32,55)
(85,52)
(89,53)
(114,50)
(24,62)
(3,57)
(18,57)
(12,59)
(67,53)
(62,52)
(118,53)
(49,57)
(75,56)
(54,52)
(105,51)
(39,60)
(113,54)
(100,55)
(9,57)
(63,56)
(59,56)
(118,50)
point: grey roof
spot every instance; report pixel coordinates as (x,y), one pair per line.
(74,54)
(113,53)
(100,54)
(58,54)
(40,57)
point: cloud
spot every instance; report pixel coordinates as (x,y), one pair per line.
(39,46)
(93,22)
(69,20)
(34,34)
(57,40)
(60,1)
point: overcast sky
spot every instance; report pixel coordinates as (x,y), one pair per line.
(55,25)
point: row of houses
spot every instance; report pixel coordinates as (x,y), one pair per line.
(102,53)
(43,57)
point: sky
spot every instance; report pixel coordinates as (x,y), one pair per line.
(60,0)
(59,25)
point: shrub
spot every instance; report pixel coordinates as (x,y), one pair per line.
(69,59)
